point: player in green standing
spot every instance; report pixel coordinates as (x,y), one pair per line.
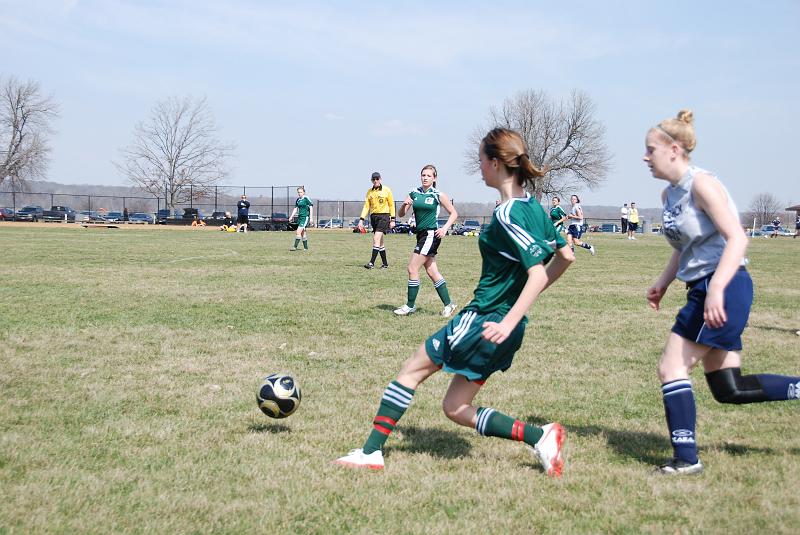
(557,214)
(425,201)
(516,251)
(303,209)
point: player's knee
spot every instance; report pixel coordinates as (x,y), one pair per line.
(454,410)
(729,386)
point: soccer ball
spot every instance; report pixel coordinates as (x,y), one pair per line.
(278,396)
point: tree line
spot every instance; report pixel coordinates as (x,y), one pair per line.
(175,152)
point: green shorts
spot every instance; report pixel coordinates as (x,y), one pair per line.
(459,348)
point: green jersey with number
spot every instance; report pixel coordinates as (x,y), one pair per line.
(426,208)
(304,205)
(519,236)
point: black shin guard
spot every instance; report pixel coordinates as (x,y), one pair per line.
(729,386)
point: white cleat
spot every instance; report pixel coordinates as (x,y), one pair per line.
(359,459)
(405,310)
(591,250)
(680,467)
(449,309)
(548,449)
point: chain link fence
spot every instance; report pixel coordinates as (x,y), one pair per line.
(265,202)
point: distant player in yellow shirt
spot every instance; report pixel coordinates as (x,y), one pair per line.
(380,205)
(633,221)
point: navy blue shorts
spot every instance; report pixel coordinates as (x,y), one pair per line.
(689,322)
(576,231)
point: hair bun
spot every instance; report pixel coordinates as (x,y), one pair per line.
(686,116)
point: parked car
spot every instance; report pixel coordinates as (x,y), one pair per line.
(470,225)
(6,214)
(769,230)
(114,217)
(253,217)
(216,215)
(162,216)
(29,213)
(331,223)
(141,218)
(59,213)
(279,221)
(609,227)
(89,216)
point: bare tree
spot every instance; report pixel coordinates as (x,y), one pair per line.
(176,152)
(25,117)
(763,208)
(563,137)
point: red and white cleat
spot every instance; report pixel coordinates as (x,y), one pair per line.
(359,459)
(549,447)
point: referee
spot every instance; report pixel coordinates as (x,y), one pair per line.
(380,205)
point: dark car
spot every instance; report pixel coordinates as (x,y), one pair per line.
(279,221)
(29,213)
(141,218)
(162,216)
(114,216)
(217,215)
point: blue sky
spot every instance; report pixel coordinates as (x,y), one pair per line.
(322,94)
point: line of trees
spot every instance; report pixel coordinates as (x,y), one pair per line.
(175,152)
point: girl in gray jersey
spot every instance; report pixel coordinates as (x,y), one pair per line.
(575,228)
(701,223)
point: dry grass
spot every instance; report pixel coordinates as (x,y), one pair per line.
(129,360)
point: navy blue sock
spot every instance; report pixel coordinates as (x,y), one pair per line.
(779,387)
(681,417)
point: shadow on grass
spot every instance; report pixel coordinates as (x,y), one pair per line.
(435,442)
(786,330)
(269,428)
(651,448)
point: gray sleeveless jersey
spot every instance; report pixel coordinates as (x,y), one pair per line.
(574,211)
(689,230)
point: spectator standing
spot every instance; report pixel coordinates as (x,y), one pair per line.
(242,211)
(623,220)
(379,203)
(796,226)
(633,221)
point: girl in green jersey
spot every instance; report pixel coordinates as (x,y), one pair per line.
(425,201)
(484,336)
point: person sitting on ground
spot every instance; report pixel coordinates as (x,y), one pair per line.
(227,223)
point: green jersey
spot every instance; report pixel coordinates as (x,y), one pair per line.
(304,205)
(556,213)
(426,208)
(519,236)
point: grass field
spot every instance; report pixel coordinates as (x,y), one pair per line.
(129,361)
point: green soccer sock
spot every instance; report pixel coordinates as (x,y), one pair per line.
(305,244)
(413,290)
(296,242)
(441,289)
(496,424)
(394,403)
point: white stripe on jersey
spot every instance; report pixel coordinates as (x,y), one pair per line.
(512,258)
(517,233)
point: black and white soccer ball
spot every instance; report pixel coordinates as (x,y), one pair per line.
(279,395)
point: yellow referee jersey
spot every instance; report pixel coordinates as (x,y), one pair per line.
(378,201)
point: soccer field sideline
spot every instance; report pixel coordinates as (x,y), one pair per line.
(130,359)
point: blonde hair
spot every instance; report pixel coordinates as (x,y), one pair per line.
(508,147)
(680,130)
